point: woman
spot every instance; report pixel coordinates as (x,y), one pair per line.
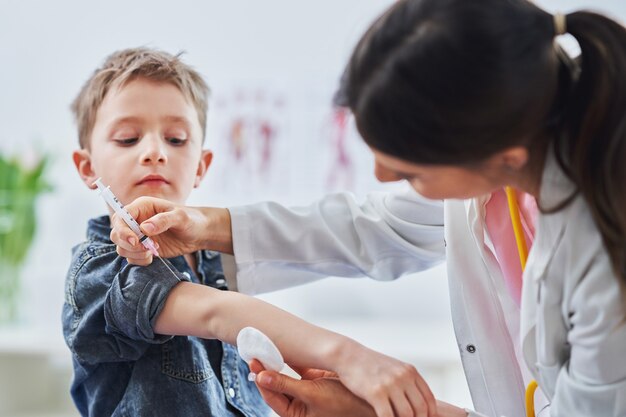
(462,98)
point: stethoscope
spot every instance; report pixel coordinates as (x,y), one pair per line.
(522,250)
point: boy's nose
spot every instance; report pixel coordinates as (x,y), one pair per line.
(154,152)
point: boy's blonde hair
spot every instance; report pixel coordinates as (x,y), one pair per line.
(128,64)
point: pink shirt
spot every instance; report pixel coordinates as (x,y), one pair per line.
(500,229)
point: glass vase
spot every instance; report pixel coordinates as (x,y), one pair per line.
(17,229)
(9,292)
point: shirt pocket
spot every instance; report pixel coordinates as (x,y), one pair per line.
(547,375)
(186,359)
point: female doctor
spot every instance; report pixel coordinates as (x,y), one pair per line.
(462,98)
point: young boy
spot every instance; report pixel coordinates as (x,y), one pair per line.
(141,120)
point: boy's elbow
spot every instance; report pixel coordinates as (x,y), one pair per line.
(190,310)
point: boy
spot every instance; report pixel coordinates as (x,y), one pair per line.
(141,120)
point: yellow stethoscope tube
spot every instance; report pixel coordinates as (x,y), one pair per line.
(522,250)
(530,398)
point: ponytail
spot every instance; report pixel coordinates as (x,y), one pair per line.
(592,146)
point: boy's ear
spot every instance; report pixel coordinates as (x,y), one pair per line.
(82,161)
(203,166)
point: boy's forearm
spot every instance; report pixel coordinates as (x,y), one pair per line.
(201,311)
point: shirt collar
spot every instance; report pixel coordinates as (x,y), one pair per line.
(99,229)
(556,186)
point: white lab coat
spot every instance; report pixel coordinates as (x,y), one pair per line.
(570,332)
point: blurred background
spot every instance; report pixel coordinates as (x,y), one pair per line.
(273,67)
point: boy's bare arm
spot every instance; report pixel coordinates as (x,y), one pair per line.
(384,382)
(202,311)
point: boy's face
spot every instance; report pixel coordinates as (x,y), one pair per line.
(146,141)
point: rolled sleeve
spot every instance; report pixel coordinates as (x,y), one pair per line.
(135,299)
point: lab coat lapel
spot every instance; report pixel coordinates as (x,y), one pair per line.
(550,228)
(485,342)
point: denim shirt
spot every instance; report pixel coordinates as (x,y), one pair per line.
(121,367)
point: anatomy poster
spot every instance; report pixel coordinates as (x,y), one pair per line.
(290,144)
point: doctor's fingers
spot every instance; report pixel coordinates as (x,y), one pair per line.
(141,257)
(175,217)
(277,402)
(128,246)
(123,236)
(312,373)
(285,395)
(127,242)
(256,366)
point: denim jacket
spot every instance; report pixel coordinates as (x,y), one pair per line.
(121,367)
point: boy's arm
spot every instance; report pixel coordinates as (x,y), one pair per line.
(386,383)
(202,311)
(110,307)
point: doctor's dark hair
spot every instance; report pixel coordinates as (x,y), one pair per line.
(456,81)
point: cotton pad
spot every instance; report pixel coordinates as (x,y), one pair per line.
(253,344)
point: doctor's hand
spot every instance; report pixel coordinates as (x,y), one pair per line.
(392,388)
(176,229)
(318,394)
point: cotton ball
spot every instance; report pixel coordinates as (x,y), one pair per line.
(253,344)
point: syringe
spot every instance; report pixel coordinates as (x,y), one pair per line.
(119,209)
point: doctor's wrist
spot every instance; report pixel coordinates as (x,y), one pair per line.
(217,232)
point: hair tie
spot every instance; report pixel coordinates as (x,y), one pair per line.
(560,27)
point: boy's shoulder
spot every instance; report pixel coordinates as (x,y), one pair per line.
(96,245)
(88,252)
(92,261)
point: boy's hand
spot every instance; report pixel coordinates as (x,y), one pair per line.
(176,229)
(393,388)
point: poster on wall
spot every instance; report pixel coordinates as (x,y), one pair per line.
(288,144)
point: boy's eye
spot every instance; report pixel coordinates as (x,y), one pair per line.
(176,141)
(126,142)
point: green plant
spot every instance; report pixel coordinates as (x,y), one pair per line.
(19,187)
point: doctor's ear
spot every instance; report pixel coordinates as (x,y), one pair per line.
(512,159)
(82,162)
